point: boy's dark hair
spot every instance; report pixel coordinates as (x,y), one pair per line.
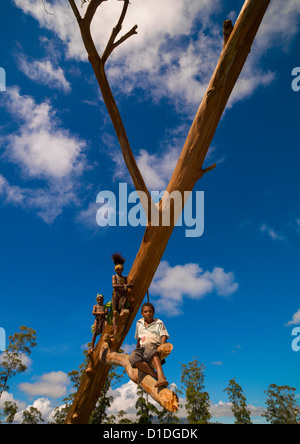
(147,304)
(118,258)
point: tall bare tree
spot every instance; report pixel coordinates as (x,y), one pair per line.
(238,40)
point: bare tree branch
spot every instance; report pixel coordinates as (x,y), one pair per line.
(119,42)
(208,169)
(46,10)
(118,28)
(165,397)
(98,63)
(129,158)
(91,10)
(75,11)
(227,30)
(111,45)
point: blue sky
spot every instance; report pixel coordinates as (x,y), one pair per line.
(229,297)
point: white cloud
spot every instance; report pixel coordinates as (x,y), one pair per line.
(223,409)
(44,73)
(271,233)
(61,21)
(176,66)
(296,319)
(44,406)
(46,154)
(125,398)
(9,397)
(170,57)
(11,193)
(41,147)
(128,348)
(48,202)
(280,25)
(255,411)
(24,358)
(157,169)
(164,58)
(87,216)
(171,284)
(52,384)
(251,78)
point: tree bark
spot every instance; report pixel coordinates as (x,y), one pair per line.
(164,396)
(188,171)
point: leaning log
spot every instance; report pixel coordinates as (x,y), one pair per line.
(188,171)
(163,396)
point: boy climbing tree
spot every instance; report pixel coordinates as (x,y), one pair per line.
(100,313)
(150,333)
(120,286)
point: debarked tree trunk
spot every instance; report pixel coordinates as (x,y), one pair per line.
(189,169)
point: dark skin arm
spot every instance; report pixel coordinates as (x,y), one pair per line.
(119,286)
(163,339)
(96,310)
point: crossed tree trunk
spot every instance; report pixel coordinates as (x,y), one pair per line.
(238,40)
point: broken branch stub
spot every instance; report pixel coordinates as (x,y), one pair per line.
(164,396)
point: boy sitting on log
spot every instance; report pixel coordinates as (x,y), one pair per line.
(150,333)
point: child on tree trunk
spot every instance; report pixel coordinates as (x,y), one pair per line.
(150,333)
(100,313)
(120,285)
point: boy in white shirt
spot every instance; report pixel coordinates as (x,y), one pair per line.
(150,333)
